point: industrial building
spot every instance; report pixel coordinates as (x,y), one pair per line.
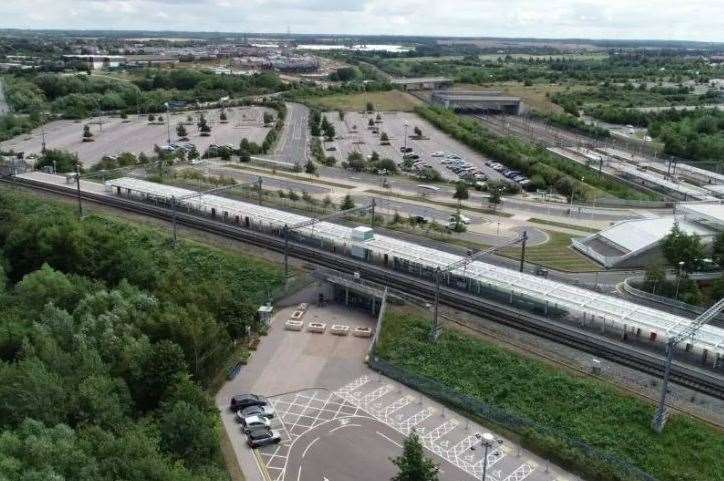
(636,242)
(422,83)
(96,62)
(542,296)
(471,101)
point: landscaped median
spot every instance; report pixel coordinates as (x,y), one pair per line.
(582,424)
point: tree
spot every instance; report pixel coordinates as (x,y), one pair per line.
(418,132)
(268,118)
(384,137)
(718,250)
(356,162)
(151,118)
(188,434)
(329,131)
(347,203)
(222,116)
(293,196)
(310,168)
(181,131)
(244,156)
(370,107)
(496,197)
(461,193)
(87,134)
(413,465)
(679,247)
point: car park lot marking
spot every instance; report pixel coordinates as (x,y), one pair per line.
(452,439)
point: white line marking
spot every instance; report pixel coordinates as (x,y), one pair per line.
(390,440)
(309,446)
(345,426)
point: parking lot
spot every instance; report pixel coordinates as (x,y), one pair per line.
(340,421)
(356,136)
(113,136)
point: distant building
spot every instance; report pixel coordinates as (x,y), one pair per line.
(150,60)
(95,62)
(422,83)
(473,101)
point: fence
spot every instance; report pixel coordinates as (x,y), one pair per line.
(572,454)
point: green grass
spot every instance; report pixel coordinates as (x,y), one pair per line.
(291,176)
(557,253)
(451,205)
(563,225)
(392,100)
(575,407)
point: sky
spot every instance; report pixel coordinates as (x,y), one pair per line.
(609,19)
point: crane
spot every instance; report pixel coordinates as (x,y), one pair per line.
(309,222)
(522,239)
(688,332)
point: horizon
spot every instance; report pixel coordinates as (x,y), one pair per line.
(615,20)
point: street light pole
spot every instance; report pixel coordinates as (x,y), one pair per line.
(173,217)
(435,329)
(168,124)
(405,145)
(524,239)
(285,230)
(678,280)
(77,186)
(487,444)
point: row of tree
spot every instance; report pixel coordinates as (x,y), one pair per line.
(104,350)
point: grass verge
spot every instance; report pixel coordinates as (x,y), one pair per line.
(451,205)
(392,100)
(563,225)
(290,176)
(557,253)
(572,407)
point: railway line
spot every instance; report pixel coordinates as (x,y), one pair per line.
(599,346)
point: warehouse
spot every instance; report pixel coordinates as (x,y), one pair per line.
(593,310)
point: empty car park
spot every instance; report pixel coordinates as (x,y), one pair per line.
(112,135)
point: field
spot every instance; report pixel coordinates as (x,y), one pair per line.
(114,136)
(392,100)
(574,407)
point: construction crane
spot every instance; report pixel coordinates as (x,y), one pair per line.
(522,239)
(309,222)
(687,333)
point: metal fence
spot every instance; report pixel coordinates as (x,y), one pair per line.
(572,454)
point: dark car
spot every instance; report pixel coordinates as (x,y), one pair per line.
(261,437)
(241,401)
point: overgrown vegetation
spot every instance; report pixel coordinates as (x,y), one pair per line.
(107,338)
(574,407)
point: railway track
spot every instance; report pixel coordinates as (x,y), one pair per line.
(648,362)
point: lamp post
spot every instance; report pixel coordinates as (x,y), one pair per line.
(405,145)
(678,280)
(487,444)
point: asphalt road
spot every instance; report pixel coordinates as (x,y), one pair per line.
(293,144)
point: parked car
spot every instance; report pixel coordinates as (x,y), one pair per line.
(262,437)
(411,157)
(254,422)
(453,157)
(438,154)
(331,148)
(241,401)
(265,411)
(405,149)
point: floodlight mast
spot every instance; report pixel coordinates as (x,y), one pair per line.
(688,332)
(522,239)
(310,222)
